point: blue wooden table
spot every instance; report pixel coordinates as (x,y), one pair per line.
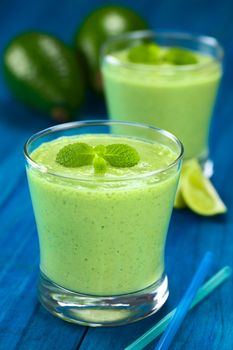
(24,324)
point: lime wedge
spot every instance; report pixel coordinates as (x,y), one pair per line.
(198,192)
(179,202)
(179,199)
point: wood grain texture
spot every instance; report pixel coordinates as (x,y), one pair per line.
(24,324)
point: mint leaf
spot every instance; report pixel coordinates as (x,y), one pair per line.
(179,56)
(100,165)
(121,156)
(148,53)
(75,155)
(100,150)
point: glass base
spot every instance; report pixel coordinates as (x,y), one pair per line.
(100,311)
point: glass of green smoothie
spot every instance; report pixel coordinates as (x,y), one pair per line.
(165,79)
(102,197)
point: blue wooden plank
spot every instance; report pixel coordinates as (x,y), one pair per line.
(9,184)
(47,332)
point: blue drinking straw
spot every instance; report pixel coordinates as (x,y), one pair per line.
(215,281)
(185,303)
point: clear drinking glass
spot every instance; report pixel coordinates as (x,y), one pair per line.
(177,98)
(102,239)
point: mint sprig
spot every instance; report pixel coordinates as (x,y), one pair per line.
(79,154)
(151,53)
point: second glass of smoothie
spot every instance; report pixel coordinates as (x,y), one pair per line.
(175,97)
(102,237)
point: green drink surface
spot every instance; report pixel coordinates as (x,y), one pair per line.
(179,99)
(103,236)
(153,156)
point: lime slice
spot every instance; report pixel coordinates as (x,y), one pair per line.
(179,199)
(198,192)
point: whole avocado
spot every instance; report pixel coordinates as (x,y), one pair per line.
(44,73)
(99,26)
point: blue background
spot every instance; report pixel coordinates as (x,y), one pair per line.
(23,322)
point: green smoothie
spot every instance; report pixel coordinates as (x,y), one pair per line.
(103,235)
(176,98)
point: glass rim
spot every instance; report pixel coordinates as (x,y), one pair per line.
(99,122)
(207,40)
